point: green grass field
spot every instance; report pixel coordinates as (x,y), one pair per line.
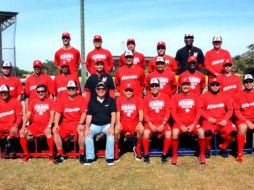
(218,173)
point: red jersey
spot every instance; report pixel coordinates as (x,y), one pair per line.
(99,54)
(139,59)
(244,105)
(60,82)
(71,110)
(40,111)
(14,84)
(10,113)
(214,60)
(129,110)
(167,81)
(218,106)
(185,108)
(197,80)
(32,81)
(170,63)
(231,84)
(156,109)
(134,74)
(71,55)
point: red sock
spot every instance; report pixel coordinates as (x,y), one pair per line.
(208,143)
(167,142)
(60,151)
(138,148)
(226,142)
(146,143)
(23,142)
(240,143)
(175,143)
(116,150)
(81,151)
(50,142)
(201,146)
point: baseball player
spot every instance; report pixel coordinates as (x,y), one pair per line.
(72,109)
(41,115)
(130,73)
(186,114)
(13,82)
(165,76)
(139,58)
(216,110)
(68,53)
(60,81)
(216,57)
(129,119)
(188,50)
(99,53)
(10,120)
(197,79)
(170,62)
(156,116)
(244,112)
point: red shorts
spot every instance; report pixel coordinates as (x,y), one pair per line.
(4,132)
(223,131)
(66,130)
(166,128)
(129,128)
(194,131)
(37,129)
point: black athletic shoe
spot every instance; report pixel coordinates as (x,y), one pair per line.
(146,159)
(59,159)
(110,162)
(164,158)
(89,162)
(224,153)
(82,158)
(207,154)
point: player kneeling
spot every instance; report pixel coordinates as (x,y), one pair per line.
(129,119)
(156,116)
(186,114)
(41,114)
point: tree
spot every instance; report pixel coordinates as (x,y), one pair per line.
(20,72)
(50,68)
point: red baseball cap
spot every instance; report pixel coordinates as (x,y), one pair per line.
(184,80)
(97,37)
(64,63)
(161,43)
(228,62)
(131,40)
(99,61)
(37,63)
(214,80)
(192,59)
(128,86)
(66,34)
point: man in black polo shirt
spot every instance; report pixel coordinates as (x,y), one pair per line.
(189,50)
(101,118)
(99,76)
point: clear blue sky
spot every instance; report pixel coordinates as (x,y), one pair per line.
(40,24)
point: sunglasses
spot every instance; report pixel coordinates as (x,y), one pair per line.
(128,90)
(7,68)
(72,88)
(215,84)
(4,92)
(227,65)
(65,38)
(100,89)
(160,63)
(97,41)
(248,81)
(129,57)
(161,47)
(154,85)
(41,91)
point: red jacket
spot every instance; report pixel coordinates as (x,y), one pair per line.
(139,59)
(170,62)
(14,84)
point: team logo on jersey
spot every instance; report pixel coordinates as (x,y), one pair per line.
(128,109)
(136,60)
(3,114)
(99,56)
(11,88)
(130,77)
(213,106)
(163,81)
(194,81)
(246,105)
(69,110)
(195,54)
(156,105)
(67,56)
(104,79)
(186,104)
(41,108)
(32,87)
(61,89)
(226,88)
(217,61)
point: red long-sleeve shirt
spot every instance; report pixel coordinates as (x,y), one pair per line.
(231,84)
(167,82)
(156,109)
(139,59)
(71,55)
(170,63)
(134,74)
(214,60)
(10,113)
(14,84)
(244,105)
(185,108)
(99,54)
(197,80)
(218,106)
